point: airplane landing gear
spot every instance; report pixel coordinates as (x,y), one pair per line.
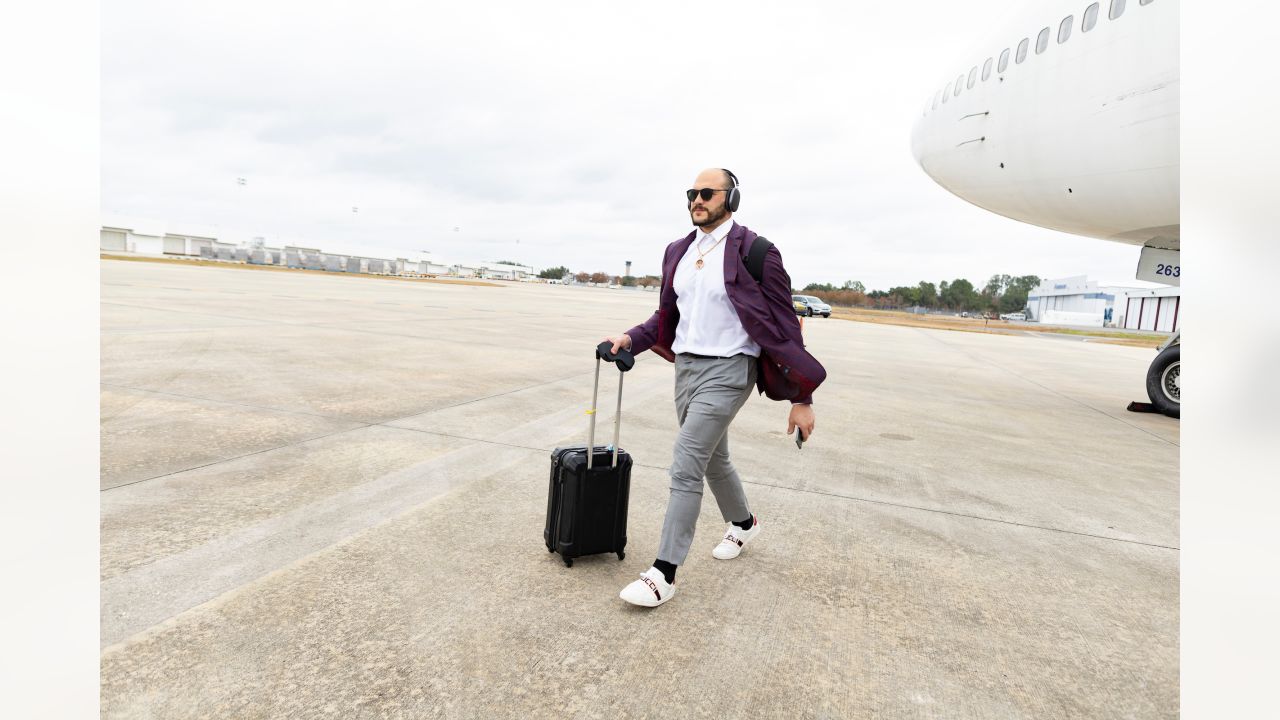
(1164,380)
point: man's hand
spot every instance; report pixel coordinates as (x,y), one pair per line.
(801,417)
(621,341)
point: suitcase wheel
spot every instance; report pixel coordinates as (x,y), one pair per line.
(621,555)
(568,562)
(551,549)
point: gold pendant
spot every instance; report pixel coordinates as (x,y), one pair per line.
(698,265)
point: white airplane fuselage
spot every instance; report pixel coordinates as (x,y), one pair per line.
(1081,137)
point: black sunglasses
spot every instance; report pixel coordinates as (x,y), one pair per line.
(704,193)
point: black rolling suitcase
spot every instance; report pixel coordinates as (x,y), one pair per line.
(587,499)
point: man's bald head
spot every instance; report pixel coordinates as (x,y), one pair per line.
(711,213)
(714,177)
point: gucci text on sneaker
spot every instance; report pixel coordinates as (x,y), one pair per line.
(734,539)
(651,590)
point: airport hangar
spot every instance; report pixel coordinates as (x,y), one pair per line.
(1080,301)
(159,239)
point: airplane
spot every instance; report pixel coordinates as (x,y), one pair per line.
(1068,119)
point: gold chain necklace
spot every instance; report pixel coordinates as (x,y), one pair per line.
(698,265)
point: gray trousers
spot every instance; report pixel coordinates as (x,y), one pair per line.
(709,393)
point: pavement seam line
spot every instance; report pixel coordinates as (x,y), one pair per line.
(963,515)
(386,423)
(172,620)
(383,498)
(651,467)
(966,353)
(174,331)
(852,498)
(231,402)
(362,425)
(233,459)
(258,321)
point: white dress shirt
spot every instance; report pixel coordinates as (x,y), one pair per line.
(709,324)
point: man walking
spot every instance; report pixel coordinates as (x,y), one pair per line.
(726,320)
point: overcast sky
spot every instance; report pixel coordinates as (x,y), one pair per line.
(558,133)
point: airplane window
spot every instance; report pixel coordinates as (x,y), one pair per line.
(1064,30)
(1117,9)
(946,93)
(1090,18)
(1004,60)
(973,76)
(1022,51)
(986,69)
(935,99)
(1042,41)
(959,84)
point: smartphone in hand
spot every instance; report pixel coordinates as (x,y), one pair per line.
(799,439)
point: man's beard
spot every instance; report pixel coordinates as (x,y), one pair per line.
(713,217)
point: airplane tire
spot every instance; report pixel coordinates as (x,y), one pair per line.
(1164,381)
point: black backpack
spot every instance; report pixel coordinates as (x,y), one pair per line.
(773,378)
(755,257)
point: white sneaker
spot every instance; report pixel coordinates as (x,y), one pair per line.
(734,538)
(651,590)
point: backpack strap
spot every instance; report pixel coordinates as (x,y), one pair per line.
(755,257)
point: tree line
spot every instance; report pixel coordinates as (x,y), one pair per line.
(600,278)
(1001,294)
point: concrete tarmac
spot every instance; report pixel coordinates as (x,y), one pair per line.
(323,496)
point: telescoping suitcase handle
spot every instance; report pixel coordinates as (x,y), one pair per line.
(625,361)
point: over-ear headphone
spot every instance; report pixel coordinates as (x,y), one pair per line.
(734,196)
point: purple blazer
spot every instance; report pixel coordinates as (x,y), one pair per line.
(786,370)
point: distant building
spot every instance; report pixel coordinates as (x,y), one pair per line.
(502,271)
(1155,309)
(1083,302)
(185,244)
(498,272)
(141,240)
(301,257)
(218,250)
(114,239)
(153,237)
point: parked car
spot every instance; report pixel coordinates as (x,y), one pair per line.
(1014,316)
(809,306)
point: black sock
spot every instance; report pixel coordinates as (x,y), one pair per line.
(667,569)
(746,524)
